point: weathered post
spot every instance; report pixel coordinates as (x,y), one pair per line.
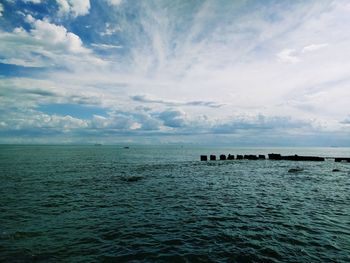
(250,157)
(230,157)
(212,157)
(222,157)
(204,158)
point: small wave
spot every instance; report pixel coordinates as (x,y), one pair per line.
(19,235)
(295,170)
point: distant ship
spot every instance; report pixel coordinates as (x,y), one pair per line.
(98,144)
(126,147)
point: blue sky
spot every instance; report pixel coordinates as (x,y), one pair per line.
(246,73)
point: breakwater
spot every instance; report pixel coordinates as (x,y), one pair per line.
(272,156)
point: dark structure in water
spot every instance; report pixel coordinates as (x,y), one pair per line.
(250,157)
(342,159)
(274,156)
(271,156)
(230,157)
(303,158)
(222,157)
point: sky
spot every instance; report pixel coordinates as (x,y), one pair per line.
(208,72)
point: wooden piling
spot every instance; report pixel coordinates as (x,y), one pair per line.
(204,158)
(230,157)
(222,157)
(250,157)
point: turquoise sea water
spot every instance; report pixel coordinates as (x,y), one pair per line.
(161,204)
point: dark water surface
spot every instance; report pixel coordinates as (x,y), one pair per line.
(109,204)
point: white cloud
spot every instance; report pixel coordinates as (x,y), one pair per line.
(294,55)
(105,46)
(114,2)
(173,118)
(56,36)
(1,10)
(110,30)
(313,47)
(64,7)
(197,103)
(118,122)
(60,122)
(74,7)
(32,120)
(260,123)
(33,1)
(288,55)
(46,44)
(23,62)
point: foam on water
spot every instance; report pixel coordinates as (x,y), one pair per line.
(83,204)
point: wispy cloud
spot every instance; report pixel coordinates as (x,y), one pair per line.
(114,2)
(33,1)
(105,46)
(313,47)
(147,99)
(110,30)
(293,55)
(1,9)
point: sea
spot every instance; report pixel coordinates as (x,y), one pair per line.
(61,203)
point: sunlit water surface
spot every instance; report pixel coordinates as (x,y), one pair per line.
(109,204)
